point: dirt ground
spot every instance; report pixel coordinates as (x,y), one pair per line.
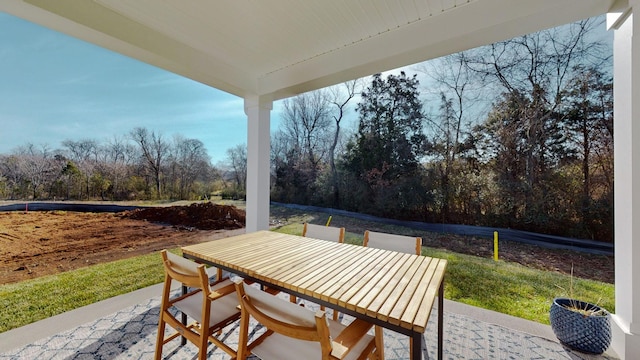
(38,243)
(586,266)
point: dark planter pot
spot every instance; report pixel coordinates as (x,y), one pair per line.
(588,334)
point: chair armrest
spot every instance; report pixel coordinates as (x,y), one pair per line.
(349,337)
(222,291)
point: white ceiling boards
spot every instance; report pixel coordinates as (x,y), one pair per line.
(279,48)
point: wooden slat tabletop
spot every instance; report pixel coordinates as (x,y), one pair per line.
(394,287)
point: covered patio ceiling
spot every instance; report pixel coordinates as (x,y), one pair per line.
(279,48)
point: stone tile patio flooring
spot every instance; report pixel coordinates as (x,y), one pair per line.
(130,333)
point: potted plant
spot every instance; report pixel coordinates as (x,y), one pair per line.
(580,325)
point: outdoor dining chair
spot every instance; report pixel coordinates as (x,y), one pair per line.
(210,307)
(328,233)
(399,243)
(322,232)
(294,332)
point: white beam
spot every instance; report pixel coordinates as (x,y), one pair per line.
(258,110)
(626,52)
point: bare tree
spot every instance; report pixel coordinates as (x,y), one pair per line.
(189,160)
(449,128)
(532,71)
(83,154)
(119,156)
(306,121)
(154,150)
(237,159)
(340,97)
(11,175)
(36,167)
(305,132)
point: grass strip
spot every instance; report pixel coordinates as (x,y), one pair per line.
(513,289)
(32,300)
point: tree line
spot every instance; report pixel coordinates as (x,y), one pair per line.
(516,134)
(140,165)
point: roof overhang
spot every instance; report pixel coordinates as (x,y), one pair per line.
(279,48)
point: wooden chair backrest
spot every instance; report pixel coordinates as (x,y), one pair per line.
(185,271)
(284,317)
(400,243)
(196,304)
(321,232)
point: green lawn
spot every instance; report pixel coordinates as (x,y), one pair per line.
(504,287)
(32,300)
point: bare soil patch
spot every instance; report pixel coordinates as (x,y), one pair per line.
(38,243)
(585,266)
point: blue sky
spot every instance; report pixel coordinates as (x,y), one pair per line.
(55,87)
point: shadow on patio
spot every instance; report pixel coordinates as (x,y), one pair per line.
(126,326)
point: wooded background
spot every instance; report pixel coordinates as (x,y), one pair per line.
(517,134)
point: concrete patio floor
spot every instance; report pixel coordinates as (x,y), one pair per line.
(126,326)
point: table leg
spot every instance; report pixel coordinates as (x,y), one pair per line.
(418,347)
(425,351)
(183,340)
(440,318)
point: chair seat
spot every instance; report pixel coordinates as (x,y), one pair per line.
(280,347)
(221,309)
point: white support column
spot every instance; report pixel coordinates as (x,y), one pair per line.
(626,82)
(258,112)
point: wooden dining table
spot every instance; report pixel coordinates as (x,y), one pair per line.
(394,290)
